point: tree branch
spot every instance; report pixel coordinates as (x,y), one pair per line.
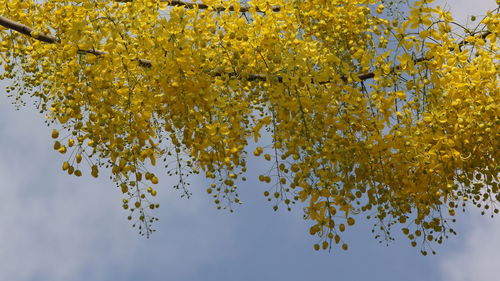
(191,5)
(28,31)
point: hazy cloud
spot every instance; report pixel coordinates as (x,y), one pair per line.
(463,9)
(477,257)
(57,227)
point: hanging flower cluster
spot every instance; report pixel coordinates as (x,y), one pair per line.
(363,113)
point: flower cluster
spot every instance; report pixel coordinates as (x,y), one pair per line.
(363,113)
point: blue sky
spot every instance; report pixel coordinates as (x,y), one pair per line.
(56,227)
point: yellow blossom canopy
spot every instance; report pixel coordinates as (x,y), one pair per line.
(357,110)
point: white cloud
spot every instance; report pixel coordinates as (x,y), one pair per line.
(463,9)
(43,211)
(57,227)
(477,257)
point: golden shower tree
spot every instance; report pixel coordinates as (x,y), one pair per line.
(358,111)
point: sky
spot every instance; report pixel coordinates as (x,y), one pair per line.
(61,228)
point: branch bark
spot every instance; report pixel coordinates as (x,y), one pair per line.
(191,5)
(28,31)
